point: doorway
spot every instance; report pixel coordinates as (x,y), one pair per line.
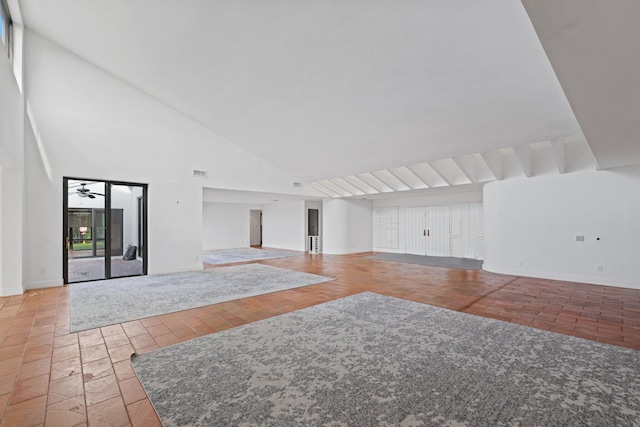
(255,228)
(313,222)
(104,229)
(428,231)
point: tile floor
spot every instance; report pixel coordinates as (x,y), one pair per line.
(51,377)
(85,269)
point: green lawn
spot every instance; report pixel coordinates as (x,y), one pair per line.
(87,245)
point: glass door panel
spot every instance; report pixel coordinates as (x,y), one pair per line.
(126,257)
(85,230)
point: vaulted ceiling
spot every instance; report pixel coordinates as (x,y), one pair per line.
(342,88)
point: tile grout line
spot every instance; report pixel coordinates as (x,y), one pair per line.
(469,305)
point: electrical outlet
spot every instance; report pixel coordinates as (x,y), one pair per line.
(599,268)
(520,263)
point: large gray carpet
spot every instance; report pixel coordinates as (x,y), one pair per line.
(228,256)
(434,261)
(96,304)
(371,360)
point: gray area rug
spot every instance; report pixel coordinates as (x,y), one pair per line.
(372,360)
(96,304)
(228,256)
(434,261)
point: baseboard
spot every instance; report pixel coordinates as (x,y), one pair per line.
(604,281)
(355,251)
(44,284)
(14,290)
(388,251)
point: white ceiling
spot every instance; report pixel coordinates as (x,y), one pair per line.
(325,89)
(594,48)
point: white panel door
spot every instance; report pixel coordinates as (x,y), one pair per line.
(458,224)
(477,230)
(415,240)
(438,233)
(386,225)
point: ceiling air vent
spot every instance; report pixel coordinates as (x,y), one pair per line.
(297,184)
(199,174)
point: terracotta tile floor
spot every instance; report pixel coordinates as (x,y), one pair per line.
(51,377)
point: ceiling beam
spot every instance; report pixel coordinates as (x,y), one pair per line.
(375,182)
(440,174)
(425,172)
(336,188)
(559,154)
(493,160)
(418,182)
(523,154)
(467,166)
(346,186)
(360,184)
(391,180)
(321,188)
(399,178)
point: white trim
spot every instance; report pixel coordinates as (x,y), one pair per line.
(43,284)
(16,290)
(604,281)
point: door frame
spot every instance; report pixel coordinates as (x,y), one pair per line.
(107,208)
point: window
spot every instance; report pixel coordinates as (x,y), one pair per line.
(5,27)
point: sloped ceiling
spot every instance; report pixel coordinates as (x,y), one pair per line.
(324,89)
(594,48)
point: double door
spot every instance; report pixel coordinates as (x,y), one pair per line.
(428,231)
(104,229)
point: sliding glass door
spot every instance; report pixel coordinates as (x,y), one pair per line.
(104,229)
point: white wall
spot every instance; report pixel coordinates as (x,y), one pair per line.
(225,226)
(283,225)
(11,248)
(86,122)
(11,181)
(347,226)
(531,227)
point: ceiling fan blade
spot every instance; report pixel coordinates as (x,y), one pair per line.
(91,196)
(97,194)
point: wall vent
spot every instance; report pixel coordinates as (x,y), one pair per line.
(199,174)
(579,238)
(297,184)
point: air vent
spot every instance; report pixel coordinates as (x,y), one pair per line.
(297,184)
(579,238)
(199,174)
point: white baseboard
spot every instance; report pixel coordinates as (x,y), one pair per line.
(351,252)
(388,251)
(14,290)
(565,277)
(43,284)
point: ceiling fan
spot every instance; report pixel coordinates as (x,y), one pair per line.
(83,192)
